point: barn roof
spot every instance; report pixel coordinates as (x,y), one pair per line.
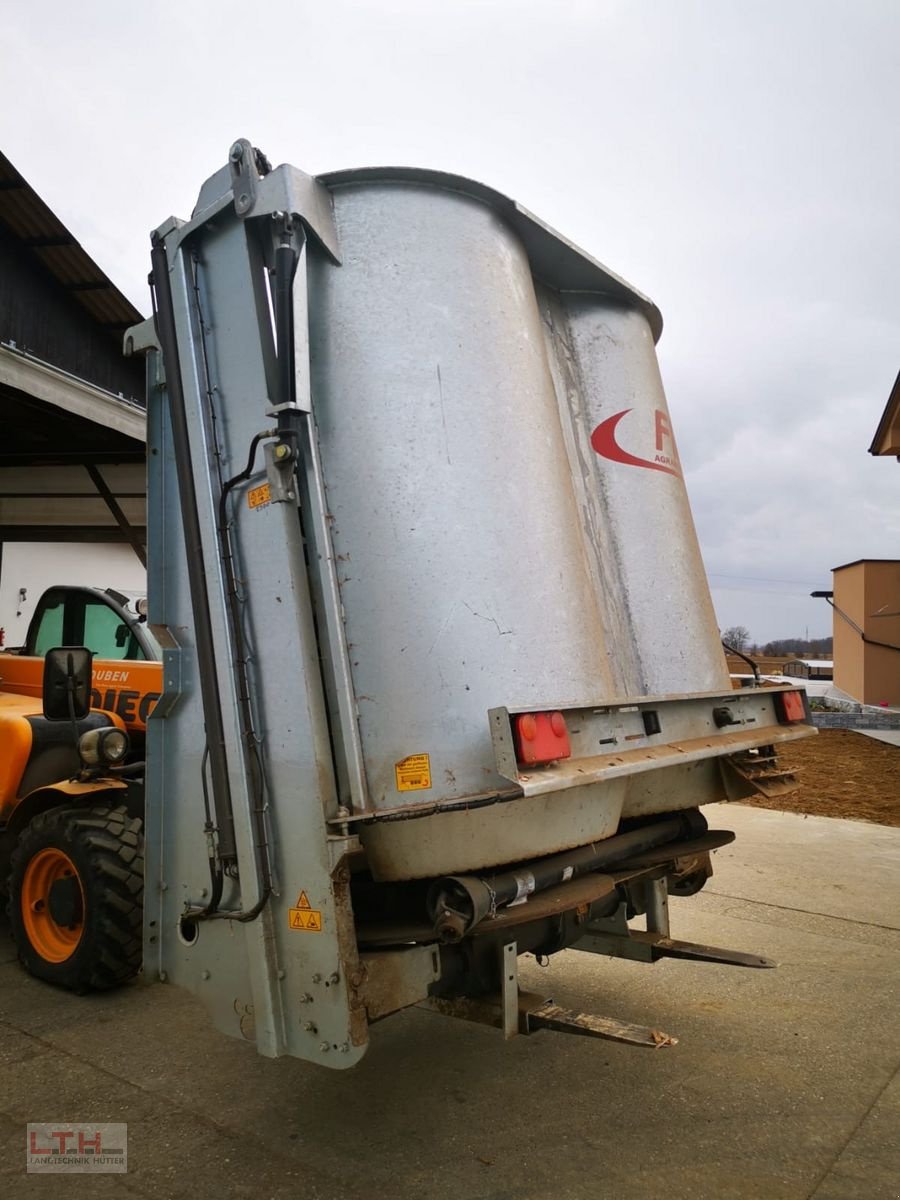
(887,435)
(37,228)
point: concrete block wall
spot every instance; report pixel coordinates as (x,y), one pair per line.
(857,720)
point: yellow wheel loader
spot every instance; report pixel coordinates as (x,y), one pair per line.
(71,840)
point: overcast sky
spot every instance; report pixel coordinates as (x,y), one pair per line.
(737,161)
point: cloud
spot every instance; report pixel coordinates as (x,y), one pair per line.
(736,161)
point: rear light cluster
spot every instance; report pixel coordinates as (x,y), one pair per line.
(791,707)
(541,737)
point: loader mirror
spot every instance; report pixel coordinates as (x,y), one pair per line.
(67,683)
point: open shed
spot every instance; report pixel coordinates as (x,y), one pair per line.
(72,412)
(809,668)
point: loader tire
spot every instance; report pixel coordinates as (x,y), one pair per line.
(75,896)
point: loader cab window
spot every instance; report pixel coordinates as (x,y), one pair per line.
(76,618)
(50,627)
(107,634)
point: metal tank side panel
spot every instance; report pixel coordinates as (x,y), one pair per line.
(467,840)
(625,442)
(445,843)
(464,578)
(601,545)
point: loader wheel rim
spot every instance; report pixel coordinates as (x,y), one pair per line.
(52,941)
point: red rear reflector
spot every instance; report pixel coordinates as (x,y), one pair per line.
(791,707)
(541,737)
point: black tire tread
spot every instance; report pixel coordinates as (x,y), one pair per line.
(110,842)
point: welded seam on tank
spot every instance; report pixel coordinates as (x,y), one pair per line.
(435,808)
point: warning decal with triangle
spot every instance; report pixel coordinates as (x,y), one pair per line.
(304,917)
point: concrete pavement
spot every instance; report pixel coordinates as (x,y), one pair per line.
(784,1084)
(891,736)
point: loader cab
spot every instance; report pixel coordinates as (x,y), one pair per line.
(109,622)
(112,624)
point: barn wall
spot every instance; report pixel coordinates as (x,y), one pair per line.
(36,567)
(39,316)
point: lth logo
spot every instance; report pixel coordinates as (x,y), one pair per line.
(57,1142)
(78,1148)
(604,441)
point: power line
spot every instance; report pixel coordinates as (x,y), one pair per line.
(759,578)
(723,587)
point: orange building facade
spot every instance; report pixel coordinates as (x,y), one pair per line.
(866,627)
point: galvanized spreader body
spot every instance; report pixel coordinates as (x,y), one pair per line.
(424,566)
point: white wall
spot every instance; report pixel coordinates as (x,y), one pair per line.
(36,566)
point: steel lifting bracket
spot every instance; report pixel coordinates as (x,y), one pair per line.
(247,165)
(611,936)
(515,1012)
(280,459)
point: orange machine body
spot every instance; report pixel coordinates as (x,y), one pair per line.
(17,714)
(127,689)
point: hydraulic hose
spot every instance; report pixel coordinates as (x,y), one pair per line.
(206,658)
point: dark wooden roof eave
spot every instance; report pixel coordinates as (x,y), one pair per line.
(889,417)
(36,227)
(41,434)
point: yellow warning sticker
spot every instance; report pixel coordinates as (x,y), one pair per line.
(308,920)
(413,773)
(259,496)
(304,917)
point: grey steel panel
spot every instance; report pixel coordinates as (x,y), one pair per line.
(554,259)
(249,974)
(283,190)
(444,843)
(635,490)
(464,579)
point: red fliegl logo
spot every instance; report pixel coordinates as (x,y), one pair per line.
(604,441)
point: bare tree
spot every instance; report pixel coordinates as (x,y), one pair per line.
(737,636)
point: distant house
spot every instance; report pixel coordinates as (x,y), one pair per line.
(809,668)
(866,600)
(887,435)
